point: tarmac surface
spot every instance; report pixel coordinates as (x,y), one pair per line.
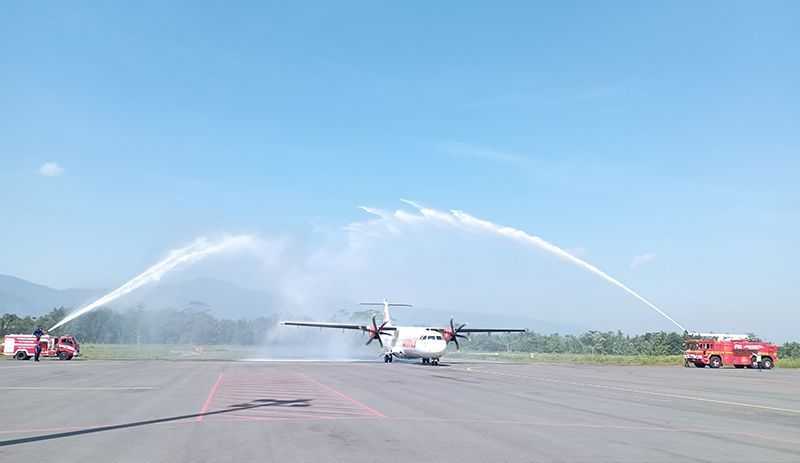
(194,411)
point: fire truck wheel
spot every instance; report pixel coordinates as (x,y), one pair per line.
(21,355)
(715,362)
(63,356)
(740,366)
(766,363)
(699,365)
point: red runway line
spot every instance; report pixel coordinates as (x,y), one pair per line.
(211,394)
(345,397)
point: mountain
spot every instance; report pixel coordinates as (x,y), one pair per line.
(227,300)
(220,298)
(25,298)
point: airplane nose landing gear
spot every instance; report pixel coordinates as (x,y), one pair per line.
(387,358)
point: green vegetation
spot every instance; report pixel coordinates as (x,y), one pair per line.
(163,352)
(574,358)
(173,334)
(596,343)
(789,350)
(140,326)
(788,362)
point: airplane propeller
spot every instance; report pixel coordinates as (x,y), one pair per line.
(376,331)
(451,333)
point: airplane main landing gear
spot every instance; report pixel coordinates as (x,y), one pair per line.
(425,361)
(435,362)
(387,358)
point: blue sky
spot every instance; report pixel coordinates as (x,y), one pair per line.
(619,130)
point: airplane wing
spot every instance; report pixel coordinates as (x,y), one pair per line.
(341,326)
(492,330)
(453,332)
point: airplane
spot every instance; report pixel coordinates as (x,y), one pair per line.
(407,342)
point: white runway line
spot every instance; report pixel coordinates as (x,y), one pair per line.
(646,392)
(300,360)
(88,388)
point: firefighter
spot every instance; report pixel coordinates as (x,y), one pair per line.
(38,349)
(756,360)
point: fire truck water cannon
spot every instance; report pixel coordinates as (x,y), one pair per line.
(717,350)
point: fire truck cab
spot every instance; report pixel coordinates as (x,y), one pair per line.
(718,350)
(23,346)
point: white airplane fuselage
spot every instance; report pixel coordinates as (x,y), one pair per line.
(405,342)
(413,342)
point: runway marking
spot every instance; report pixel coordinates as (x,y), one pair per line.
(270,395)
(346,397)
(32,366)
(210,397)
(646,392)
(539,424)
(77,388)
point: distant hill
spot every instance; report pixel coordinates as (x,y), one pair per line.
(220,298)
(227,300)
(25,298)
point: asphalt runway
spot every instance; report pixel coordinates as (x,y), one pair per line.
(193,411)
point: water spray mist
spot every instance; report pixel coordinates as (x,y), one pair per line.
(465,221)
(199,249)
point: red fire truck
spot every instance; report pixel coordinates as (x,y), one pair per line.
(718,350)
(23,346)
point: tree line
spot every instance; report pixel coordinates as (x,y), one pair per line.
(196,326)
(596,342)
(590,342)
(141,326)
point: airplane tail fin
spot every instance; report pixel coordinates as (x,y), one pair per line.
(387,318)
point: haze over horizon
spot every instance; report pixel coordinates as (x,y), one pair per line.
(668,160)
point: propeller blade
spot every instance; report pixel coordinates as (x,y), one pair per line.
(455,340)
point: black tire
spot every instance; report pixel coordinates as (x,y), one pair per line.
(62,356)
(385,359)
(699,365)
(740,366)
(391,359)
(435,362)
(21,355)
(715,361)
(767,363)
